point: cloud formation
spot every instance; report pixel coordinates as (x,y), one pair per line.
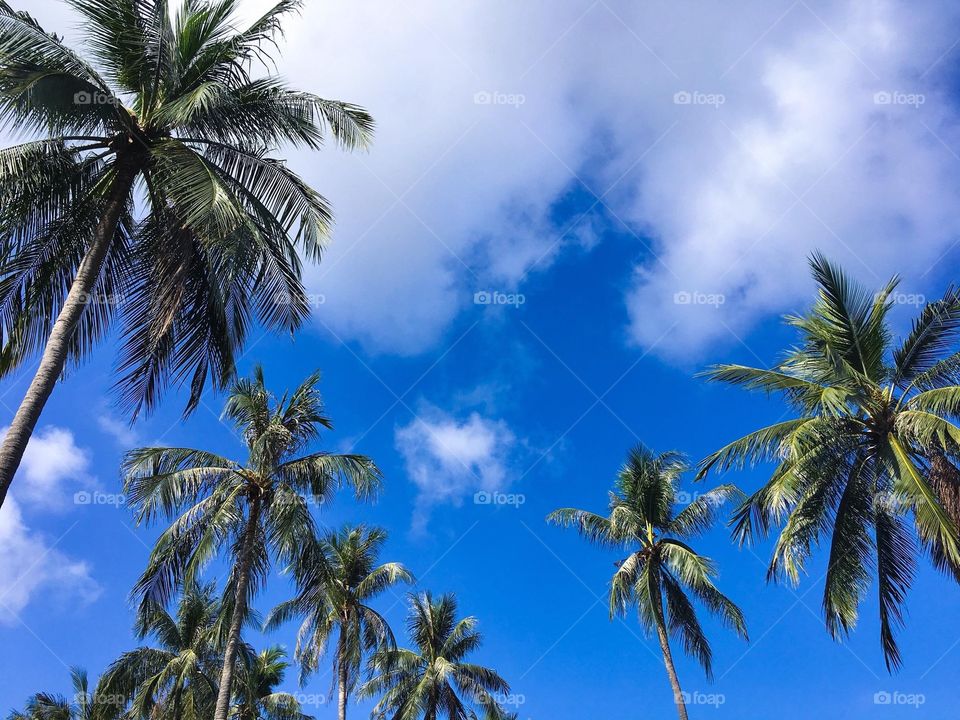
(52,464)
(450,459)
(729,139)
(31,565)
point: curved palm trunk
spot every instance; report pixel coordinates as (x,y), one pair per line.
(244,563)
(668,657)
(55,352)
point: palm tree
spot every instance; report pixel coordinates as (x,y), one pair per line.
(83,706)
(255,695)
(177,678)
(433,680)
(337,580)
(169,110)
(662,569)
(872,442)
(256,511)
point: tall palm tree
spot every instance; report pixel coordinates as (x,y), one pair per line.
(175,679)
(83,705)
(169,110)
(256,696)
(433,680)
(255,511)
(872,443)
(337,579)
(662,569)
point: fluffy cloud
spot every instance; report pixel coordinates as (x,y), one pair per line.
(51,463)
(730,138)
(450,459)
(491,112)
(31,564)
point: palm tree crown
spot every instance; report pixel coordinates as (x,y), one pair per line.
(255,510)
(256,696)
(176,679)
(169,110)
(83,705)
(661,566)
(872,443)
(433,680)
(337,580)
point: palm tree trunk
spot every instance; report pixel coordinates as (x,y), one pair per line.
(244,563)
(55,351)
(342,691)
(668,657)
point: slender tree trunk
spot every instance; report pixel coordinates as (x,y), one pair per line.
(342,679)
(244,563)
(668,657)
(55,352)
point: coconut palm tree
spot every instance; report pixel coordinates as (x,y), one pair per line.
(256,696)
(83,705)
(256,512)
(175,679)
(433,680)
(872,443)
(337,579)
(661,569)
(170,110)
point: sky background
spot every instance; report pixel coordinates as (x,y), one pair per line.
(569,209)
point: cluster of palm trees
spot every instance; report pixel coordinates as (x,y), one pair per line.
(255,514)
(150,203)
(869,465)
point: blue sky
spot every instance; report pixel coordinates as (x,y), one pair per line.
(543,149)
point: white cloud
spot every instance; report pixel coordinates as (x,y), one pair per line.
(52,461)
(32,567)
(457,195)
(712,190)
(450,459)
(125,436)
